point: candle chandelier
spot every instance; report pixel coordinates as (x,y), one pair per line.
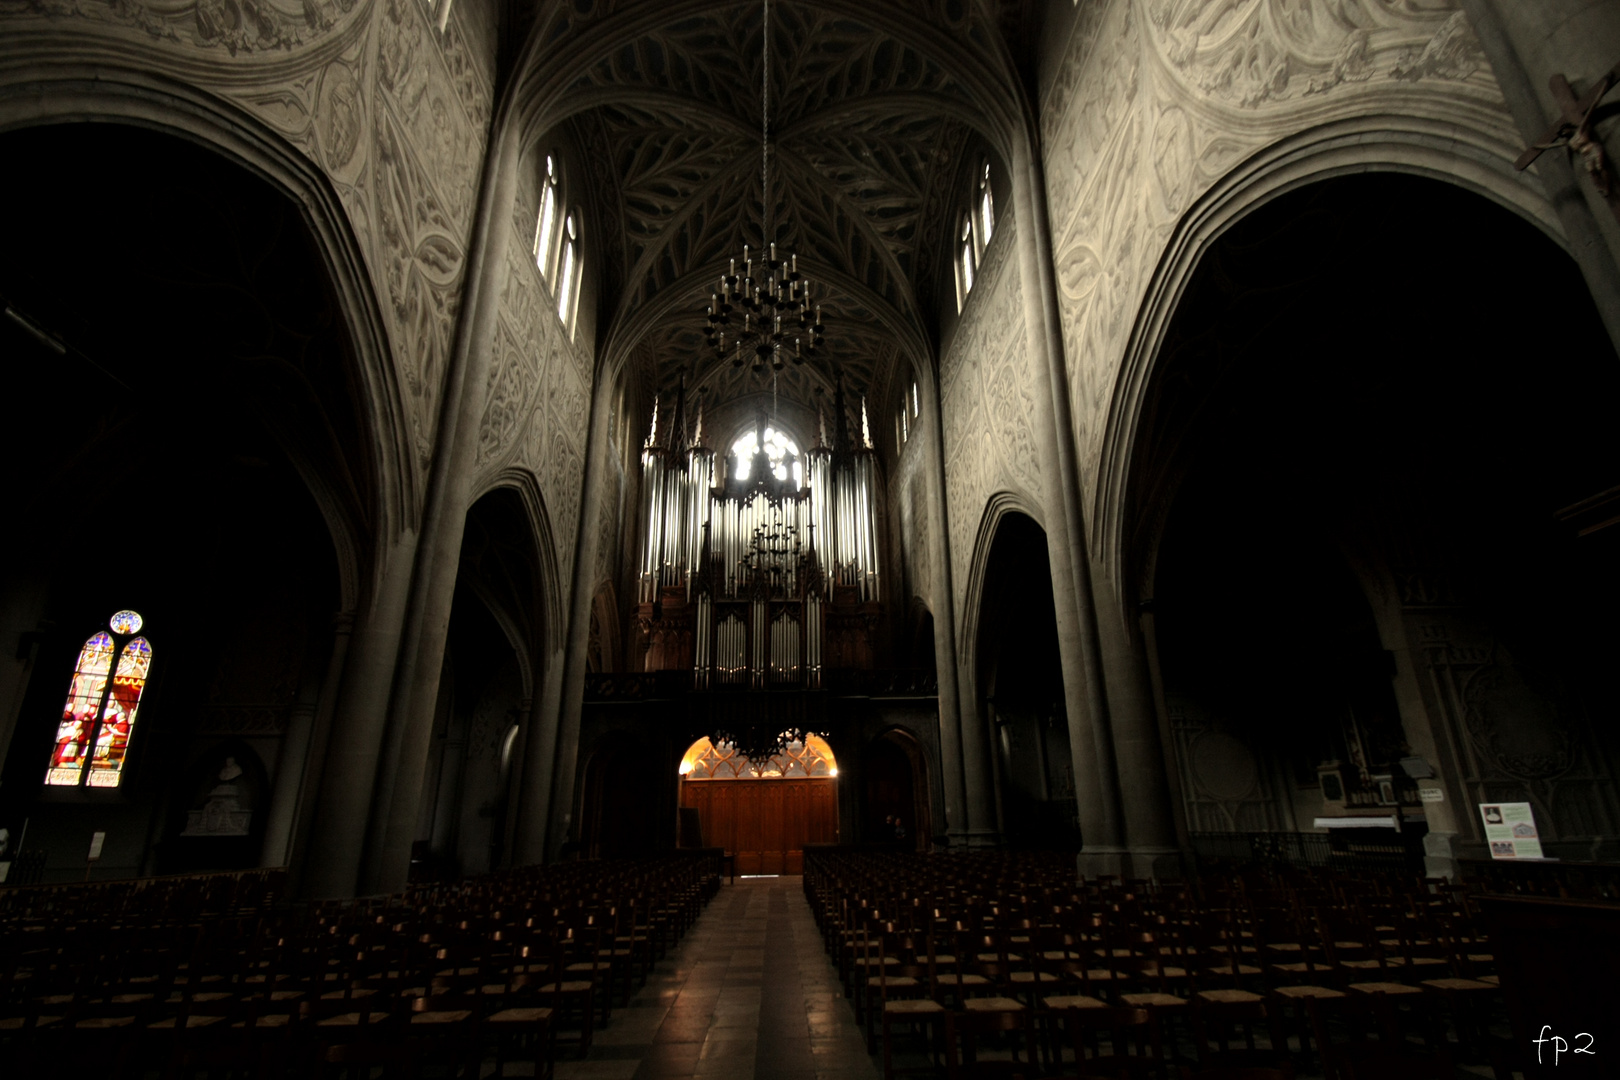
(757,316)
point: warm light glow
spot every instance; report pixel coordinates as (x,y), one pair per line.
(782,452)
(813,759)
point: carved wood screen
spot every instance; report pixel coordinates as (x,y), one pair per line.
(765,822)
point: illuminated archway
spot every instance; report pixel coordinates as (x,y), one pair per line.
(808,760)
(766,817)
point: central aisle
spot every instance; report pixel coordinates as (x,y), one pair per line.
(748,995)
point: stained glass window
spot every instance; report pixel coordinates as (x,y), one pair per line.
(810,759)
(99,715)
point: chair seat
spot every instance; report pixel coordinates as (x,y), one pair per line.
(1242,969)
(168,1022)
(871,961)
(964,980)
(892,980)
(1384,988)
(1309,992)
(1032,976)
(564,988)
(990,957)
(1168,971)
(1361,965)
(1286,946)
(1073,1001)
(1155,1001)
(909,1005)
(1458,984)
(992,1004)
(520,1016)
(344,1020)
(1228,997)
(15,1023)
(1101,975)
(1480,958)
(442,1016)
(591,965)
(1491,980)
(106,1022)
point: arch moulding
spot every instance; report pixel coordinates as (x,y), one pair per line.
(997,507)
(103,93)
(1468,158)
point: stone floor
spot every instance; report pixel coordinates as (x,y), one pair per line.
(748,994)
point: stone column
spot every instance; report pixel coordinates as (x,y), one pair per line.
(1528,43)
(401,775)
(344,751)
(1090,740)
(1150,832)
(1161,711)
(531,791)
(561,819)
(959,819)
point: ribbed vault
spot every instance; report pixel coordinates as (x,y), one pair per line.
(872,108)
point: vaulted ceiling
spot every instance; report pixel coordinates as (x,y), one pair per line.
(872,108)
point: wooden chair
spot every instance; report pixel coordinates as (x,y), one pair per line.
(1001,1019)
(1220,1017)
(1114,1042)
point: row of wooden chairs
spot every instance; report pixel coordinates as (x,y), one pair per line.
(503,967)
(1306,963)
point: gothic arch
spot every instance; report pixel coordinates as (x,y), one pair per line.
(527,488)
(997,508)
(114,95)
(1462,156)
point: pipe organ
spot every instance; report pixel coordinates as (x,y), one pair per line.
(757,569)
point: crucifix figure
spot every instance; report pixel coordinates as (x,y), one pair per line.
(1574,130)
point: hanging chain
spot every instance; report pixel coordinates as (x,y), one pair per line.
(765,128)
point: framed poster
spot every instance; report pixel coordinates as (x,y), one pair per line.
(1510,830)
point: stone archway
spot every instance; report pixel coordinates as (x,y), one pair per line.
(1357,489)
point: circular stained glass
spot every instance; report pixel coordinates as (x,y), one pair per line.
(125,622)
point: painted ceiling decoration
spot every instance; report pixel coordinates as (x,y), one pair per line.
(872,110)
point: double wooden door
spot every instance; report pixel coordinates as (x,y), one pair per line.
(765,822)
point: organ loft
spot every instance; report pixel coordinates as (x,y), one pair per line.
(514,447)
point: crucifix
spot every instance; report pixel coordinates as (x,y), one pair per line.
(1574,130)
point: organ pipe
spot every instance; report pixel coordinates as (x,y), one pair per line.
(757,545)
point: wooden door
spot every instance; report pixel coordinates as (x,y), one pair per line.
(765,822)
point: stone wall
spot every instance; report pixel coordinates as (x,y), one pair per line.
(989,390)
(537,402)
(1145,104)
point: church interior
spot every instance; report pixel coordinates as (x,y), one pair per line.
(557,489)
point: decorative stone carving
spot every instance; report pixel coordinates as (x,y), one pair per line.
(1156,100)
(236,26)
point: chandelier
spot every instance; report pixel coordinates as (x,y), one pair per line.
(759,743)
(756,316)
